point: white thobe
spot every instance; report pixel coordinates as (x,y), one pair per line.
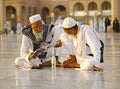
(91,23)
(67,47)
(54,36)
(19,28)
(101,26)
(85,35)
(57,33)
(26,49)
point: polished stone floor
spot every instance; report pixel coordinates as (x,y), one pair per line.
(14,78)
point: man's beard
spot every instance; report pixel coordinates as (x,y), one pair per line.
(38,35)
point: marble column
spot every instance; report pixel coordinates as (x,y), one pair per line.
(19,12)
(2,14)
(115,9)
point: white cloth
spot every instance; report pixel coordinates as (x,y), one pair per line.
(67,48)
(101,26)
(57,31)
(68,22)
(86,63)
(26,49)
(96,26)
(54,36)
(19,28)
(5,26)
(85,35)
(59,21)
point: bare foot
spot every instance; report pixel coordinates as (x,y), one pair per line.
(97,69)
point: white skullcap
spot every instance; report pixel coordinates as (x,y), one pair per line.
(68,22)
(34,18)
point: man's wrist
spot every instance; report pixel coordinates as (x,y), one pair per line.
(29,58)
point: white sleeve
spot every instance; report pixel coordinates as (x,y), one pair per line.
(92,41)
(50,35)
(67,45)
(25,47)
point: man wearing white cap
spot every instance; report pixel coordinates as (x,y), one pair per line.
(78,38)
(34,52)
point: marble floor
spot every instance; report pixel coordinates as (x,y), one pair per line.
(14,78)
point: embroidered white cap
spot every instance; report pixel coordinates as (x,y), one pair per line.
(68,22)
(34,18)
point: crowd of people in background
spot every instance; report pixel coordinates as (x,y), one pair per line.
(15,28)
(104,25)
(100,25)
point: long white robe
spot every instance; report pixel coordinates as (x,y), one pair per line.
(91,23)
(55,35)
(85,35)
(26,49)
(19,28)
(101,26)
(67,47)
(58,31)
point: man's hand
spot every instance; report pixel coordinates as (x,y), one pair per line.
(71,62)
(32,55)
(39,50)
(58,44)
(97,69)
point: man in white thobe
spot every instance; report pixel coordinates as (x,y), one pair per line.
(84,39)
(19,28)
(34,52)
(101,25)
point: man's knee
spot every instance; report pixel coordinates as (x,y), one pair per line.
(19,61)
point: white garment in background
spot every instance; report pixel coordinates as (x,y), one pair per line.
(19,28)
(55,35)
(67,47)
(101,26)
(5,26)
(91,23)
(58,31)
